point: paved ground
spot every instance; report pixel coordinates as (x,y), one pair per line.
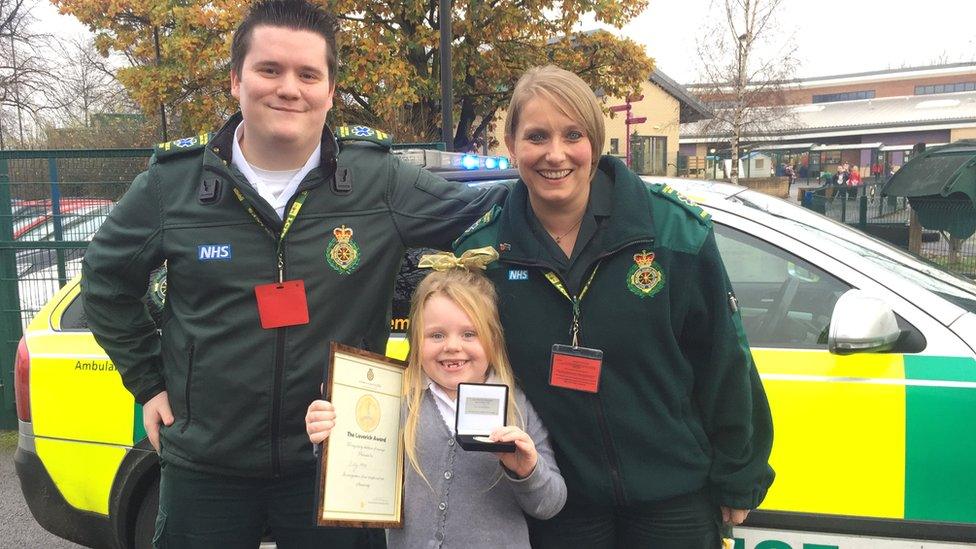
(17,527)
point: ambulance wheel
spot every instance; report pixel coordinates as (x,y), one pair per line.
(145,525)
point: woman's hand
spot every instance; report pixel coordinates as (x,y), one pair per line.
(734,517)
(522,461)
(319,420)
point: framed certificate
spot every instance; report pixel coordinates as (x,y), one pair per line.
(361,466)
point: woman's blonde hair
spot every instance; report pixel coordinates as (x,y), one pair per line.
(569,93)
(474,294)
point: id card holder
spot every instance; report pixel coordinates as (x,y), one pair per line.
(576,368)
(282,304)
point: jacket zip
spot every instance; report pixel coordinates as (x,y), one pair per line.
(276,408)
(279,370)
(189,386)
(279,365)
(611,454)
(618,488)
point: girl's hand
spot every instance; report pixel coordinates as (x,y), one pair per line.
(522,461)
(319,420)
(734,516)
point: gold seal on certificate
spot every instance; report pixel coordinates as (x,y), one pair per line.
(361,468)
(367,412)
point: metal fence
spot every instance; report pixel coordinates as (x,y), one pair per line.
(905,223)
(51,203)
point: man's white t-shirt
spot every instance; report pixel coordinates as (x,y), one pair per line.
(275,187)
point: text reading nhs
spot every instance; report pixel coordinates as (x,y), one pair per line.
(213,252)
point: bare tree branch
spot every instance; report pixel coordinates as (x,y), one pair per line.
(744,84)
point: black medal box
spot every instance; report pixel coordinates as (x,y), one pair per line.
(481,408)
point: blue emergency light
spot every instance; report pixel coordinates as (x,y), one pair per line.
(470,162)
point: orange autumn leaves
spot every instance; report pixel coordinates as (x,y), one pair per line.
(389,59)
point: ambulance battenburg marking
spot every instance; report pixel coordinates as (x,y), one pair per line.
(342,252)
(645,279)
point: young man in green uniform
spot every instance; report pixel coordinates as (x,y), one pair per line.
(266,219)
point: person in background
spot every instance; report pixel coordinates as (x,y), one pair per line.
(790,172)
(840,177)
(625,333)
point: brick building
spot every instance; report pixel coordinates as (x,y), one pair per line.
(869,119)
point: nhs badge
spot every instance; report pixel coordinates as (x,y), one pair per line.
(518,274)
(213,252)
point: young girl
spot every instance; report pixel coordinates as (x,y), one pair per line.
(456,498)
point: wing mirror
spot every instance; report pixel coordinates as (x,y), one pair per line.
(861,323)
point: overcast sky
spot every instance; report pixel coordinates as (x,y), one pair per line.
(832,36)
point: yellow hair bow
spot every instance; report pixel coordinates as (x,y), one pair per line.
(476,258)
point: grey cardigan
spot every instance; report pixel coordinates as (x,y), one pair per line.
(472,501)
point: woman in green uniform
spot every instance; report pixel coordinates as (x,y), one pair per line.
(624,333)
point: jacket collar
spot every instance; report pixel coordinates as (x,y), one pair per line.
(218,155)
(630,220)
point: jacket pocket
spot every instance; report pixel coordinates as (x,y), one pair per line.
(188,389)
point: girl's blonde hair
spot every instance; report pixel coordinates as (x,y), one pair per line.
(568,93)
(475,295)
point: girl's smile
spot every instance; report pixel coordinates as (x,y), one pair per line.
(450,352)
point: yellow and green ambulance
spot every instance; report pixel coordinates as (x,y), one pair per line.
(867,354)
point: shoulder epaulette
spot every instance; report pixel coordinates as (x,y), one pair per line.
(668,192)
(485,220)
(363,133)
(181,146)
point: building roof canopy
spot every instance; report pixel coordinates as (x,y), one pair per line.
(865,115)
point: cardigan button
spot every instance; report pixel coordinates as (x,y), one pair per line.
(450,442)
(442,506)
(439,536)
(448,475)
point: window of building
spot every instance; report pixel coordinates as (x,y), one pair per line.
(945,88)
(649,154)
(843,96)
(614,145)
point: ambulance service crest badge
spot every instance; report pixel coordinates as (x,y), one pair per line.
(343,252)
(645,279)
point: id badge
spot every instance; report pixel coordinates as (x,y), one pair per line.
(576,368)
(282,304)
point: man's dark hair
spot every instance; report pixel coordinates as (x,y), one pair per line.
(291,14)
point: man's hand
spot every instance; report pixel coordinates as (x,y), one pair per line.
(734,517)
(155,411)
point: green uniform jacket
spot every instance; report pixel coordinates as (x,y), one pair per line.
(239,392)
(680,404)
